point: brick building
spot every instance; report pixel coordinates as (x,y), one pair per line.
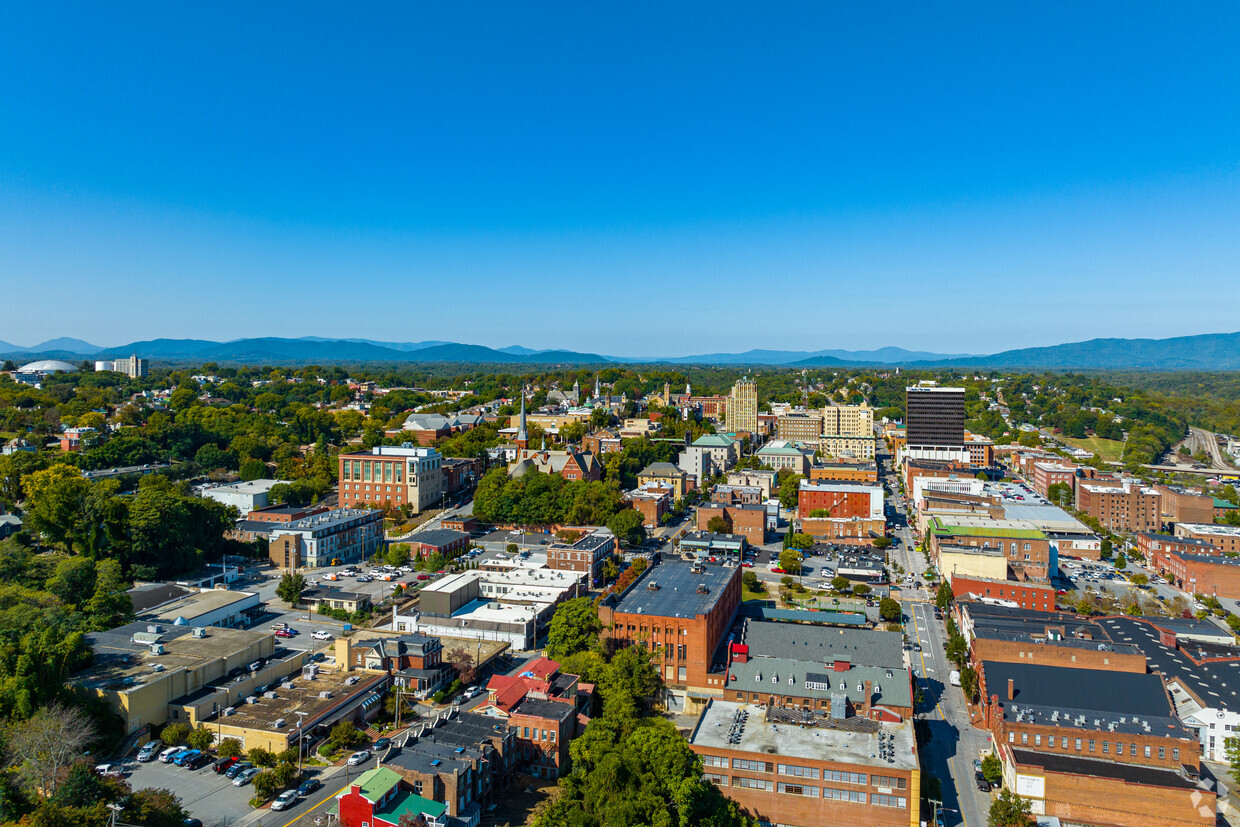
(682,612)
(803,428)
(766,481)
(1128,506)
(442,541)
(1046,474)
(1028,551)
(802,769)
(748,520)
(652,501)
(841,499)
(1225,538)
(602,441)
(1150,544)
(460,474)
(541,706)
(1211,574)
(736,495)
(387,474)
(1184,505)
(349,535)
(1092,745)
(586,555)
(1032,596)
(865,472)
(1007,635)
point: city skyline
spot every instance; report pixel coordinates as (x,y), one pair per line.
(985,181)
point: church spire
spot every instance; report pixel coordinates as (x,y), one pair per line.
(523,437)
(597,391)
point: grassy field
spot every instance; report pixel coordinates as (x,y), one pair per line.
(1109,449)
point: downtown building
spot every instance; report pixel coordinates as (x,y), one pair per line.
(934,418)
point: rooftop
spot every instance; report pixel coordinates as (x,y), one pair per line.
(819,742)
(863,647)
(330,519)
(985,528)
(1131,773)
(248,487)
(1214,682)
(199,603)
(672,588)
(811,677)
(302,695)
(1209,528)
(438,537)
(1171,538)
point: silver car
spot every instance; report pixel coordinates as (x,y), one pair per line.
(245,777)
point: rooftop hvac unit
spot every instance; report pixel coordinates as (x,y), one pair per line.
(324,696)
(279,722)
(252,699)
(159,667)
(157,648)
(229,710)
(652,586)
(271,696)
(153,629)
(199,632)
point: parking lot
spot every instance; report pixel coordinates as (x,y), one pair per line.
(205,794)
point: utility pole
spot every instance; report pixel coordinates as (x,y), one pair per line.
(934,809)
(300,733)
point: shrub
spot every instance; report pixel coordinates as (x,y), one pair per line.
(175,734)
(201,738)
(262,757)
(231,748)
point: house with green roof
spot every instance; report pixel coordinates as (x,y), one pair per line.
(1222,508)
(782,455)
(381,798)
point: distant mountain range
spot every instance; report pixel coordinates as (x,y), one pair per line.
(1212,351)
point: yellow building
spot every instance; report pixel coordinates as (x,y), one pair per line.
(665,472)
(972,561)
(742,413)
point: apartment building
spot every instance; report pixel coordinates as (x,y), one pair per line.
(1225,538)
(682,612)
(1127,506)
(803,428)
(746,520)
(767,481)
(665,472)
(585,555)
(848,421)
(404,475)
(1184,505)
(349,535)
(1046,474)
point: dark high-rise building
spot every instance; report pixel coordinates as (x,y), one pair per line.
(934,417)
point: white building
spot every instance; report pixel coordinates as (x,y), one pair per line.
(244,496)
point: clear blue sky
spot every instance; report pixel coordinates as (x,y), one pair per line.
(631,178)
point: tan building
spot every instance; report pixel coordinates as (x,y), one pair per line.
(1129,506)
(742,413)
(803,428)
(973,562)
(665,472)
(848,420)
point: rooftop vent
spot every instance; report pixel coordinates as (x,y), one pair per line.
(279,722)
(652,586)
(199,632)
(157,648)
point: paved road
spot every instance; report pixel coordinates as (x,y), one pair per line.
(1204,440)
(954,743)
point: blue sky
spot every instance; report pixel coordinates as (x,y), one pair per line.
(621,178)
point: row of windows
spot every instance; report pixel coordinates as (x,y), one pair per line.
(714,761)
(1069,743)
(850,796)
(889,781)
(844,777)
(797,771)
(752,783)
(797,789)
(889,801)
(752,766)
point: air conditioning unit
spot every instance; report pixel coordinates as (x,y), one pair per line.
(324,696)
(159,667)
(252,699)
(279,723)
(157,648)
(229,710)
(199,632)
(271,696)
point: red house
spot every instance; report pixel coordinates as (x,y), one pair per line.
(380,798)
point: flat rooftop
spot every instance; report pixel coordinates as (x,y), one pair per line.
(250,487)
(671,589)
(302,695)
(823,644)
(1209,528)
(772,737)
(200,603)
(122,663)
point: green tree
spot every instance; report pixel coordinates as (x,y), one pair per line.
(889,610)
(1121,562)
(74,580)
(398,554)
(790,491)
(574,628)
(943,597)
(231,748)
(57,501)
(992,769)
(252,469)
(628,528)
(265,785)
(110,605)
(1140,580)
(841,583)
(957,650)
(718,525)
(861,590)
(1060,493)
(261,757)
(201,738)
(790,561)
(174,734)
(290,588)
(152,807)
(1106,548)
(286,773)
(797,540)
(751,582)
(1010,810)
(881,543)
(345,736)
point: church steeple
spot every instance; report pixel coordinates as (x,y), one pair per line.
(523,437)
(597,391)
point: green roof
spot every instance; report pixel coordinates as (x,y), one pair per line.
(713,440)
(784,450)
(971,531)
(376,783)
(412,804)
(1223,503)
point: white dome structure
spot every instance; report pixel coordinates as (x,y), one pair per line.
(47,366)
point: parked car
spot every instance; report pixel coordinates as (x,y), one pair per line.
(359,757)
(473,692)
(171,753)
(109,770)
(191,822)
(198,762)
(382,744)
(283,633)
(320,634)
(983,785)
(149,751)
(424,577)
(308,786)
(284,800)
(238,768)
(189,755)
(245,777)
(224,764)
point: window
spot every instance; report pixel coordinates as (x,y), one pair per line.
(751,766)
(1091,745)
(751,783)
(798,771)
(714,761)
(1050,741)
(1024,737)
(1106,747)
(889,781)
(797,789)
(1162,753)
(851,796)
(1078,744)
(1037,740)
(1175,755)
(720,780)
(1147,752)
(844,777)
(1132,749)
(888,801)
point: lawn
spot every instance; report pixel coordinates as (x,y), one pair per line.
(746,594)
(1109,449)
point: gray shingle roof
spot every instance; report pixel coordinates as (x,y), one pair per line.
(861,647)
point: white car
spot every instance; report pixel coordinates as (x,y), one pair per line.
(319,634)
(285,800)
(359,757)
(165,757)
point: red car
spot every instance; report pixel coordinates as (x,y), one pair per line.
(747,564)
(283,633)
(778,570)
(424,577)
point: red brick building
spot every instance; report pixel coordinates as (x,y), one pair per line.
(543,708)
(1184,505)
(586,555)
(1128,506)
(1046,474)
(602,441)
(653,502)
(1225,538)
(1211,574)
(1150,544)
(680,611)
(748,520)
(1026,595)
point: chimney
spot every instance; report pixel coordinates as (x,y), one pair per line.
(1011,689)
(354,789)
(869,696)
(841,665)
(1167,638)
(344,654)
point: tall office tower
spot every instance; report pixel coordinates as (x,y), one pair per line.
(935,423)
(742,413)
